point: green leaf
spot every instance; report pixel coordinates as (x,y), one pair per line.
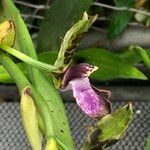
(130,56)
(71,41)
(135,54)
(58,20)
(43,86)
(110,65)
(4,75)
(47,57)
(120,19)
(109,129)
(114,125)
(104,59)
(68,46)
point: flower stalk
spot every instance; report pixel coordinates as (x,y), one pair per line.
(27,59)
(22,83)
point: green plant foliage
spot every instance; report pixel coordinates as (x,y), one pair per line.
(23,40)
(144,56)
(110,65)
(114,125)
(58,20)
(147,147)
(4,75)
(43,86)
(131,55)
(135,54)
(120,19)
(70,42)
(47,57)
(105,60)
(109,129)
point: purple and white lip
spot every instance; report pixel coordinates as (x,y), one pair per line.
(92,101)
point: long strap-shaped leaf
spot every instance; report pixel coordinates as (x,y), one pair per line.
(48,91)
(59,19)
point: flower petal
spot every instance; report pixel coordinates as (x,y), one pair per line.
(90,100)
(105,95)
(78,71)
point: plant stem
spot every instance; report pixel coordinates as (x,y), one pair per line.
(122,8)
(27,59)
(22,83)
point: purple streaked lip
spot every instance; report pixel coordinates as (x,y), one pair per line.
(92,101)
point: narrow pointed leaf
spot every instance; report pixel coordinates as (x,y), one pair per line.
(46,88)
(110,65)
(120,19)
(59,19)
(71,40)
(131,56)
(68,46)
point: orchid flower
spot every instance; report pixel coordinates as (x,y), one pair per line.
(92,101)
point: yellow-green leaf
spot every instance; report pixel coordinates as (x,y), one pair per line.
(7,33)
(69,44)
(71,41)
(114,125)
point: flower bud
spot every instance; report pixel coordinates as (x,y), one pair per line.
(51,145)
(30,122)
